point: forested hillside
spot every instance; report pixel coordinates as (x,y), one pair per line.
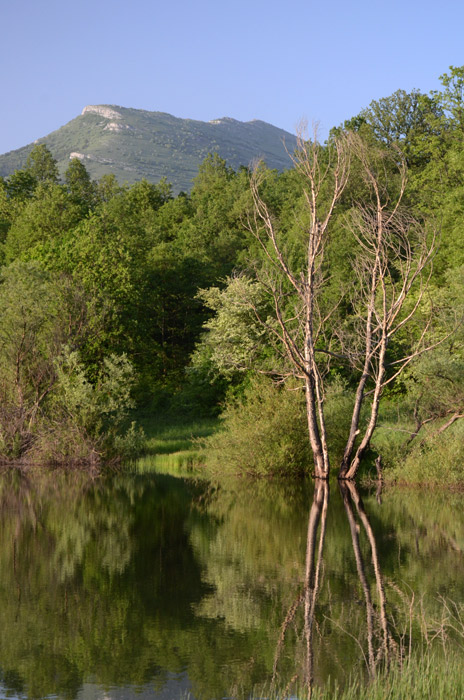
(115,296)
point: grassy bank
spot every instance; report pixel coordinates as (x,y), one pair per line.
(267,436)
(170,444)
(432,459)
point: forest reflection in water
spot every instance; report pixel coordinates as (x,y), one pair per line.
(151,584)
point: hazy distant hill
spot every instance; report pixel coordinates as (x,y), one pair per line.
(135,144)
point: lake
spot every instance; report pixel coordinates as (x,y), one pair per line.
(153,586)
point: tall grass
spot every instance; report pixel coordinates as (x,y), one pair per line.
(426,661)
(181,463)
(430,677)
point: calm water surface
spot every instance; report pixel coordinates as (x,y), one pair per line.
(151,586)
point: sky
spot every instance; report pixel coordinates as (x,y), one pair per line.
(203,59)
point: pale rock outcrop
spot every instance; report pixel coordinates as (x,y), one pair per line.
(115,126)
(102,111)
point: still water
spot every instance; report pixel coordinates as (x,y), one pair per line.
(151,586)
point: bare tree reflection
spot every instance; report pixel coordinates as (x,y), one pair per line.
(317,515)
(377,614)
(379,641)
(308,597)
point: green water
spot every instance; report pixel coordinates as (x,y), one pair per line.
(152,586)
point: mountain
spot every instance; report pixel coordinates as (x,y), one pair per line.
(135,144)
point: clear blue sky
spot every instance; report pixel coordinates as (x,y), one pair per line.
(247,59)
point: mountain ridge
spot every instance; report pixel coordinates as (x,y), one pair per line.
(134,144)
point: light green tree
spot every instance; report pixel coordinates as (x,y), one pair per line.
(42,165)
(81,188)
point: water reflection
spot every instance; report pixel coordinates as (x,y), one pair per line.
(158,585)
(379,640)
(376,617)
(308,597)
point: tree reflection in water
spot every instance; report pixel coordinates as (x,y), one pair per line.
(378,634)
(381,646)
(134,580)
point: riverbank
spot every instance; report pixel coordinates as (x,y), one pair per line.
(173,445)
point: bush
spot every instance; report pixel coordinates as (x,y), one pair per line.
(338,407)
(98,410)
(438,459)
(264,433)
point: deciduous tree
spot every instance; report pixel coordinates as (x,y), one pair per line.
(391,260)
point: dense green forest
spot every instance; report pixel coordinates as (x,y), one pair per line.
(117,297)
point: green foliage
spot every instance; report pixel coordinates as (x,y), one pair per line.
(433,460)
(87,404)
(81,188)
(338,407)
(21,185)
(407,120)
(234,339)
(43,220)
(220,199)
(108,187)
(264,433)
(49,408)
(452,97)
(97,410)
(173,315)
(42,165)
(30,322)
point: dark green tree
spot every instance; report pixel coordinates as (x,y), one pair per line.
(21,185)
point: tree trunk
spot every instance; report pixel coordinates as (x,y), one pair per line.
(350,474)
(321,464)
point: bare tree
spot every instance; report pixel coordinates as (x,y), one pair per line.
(300,332)
(391,270)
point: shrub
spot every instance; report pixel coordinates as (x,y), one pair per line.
(438,459)
(98,410)
(264,433)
